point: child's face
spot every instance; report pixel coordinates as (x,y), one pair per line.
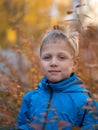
(57,62)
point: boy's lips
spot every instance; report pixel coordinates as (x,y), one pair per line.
(54,71)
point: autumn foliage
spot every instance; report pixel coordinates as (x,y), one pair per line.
(16,79)
(21,72)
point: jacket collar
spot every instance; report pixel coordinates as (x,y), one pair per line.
(70,84)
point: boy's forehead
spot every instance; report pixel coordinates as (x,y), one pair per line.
(60,45)
(57,46)
(55,42)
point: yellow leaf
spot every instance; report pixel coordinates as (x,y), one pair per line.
(55,117)
(32,69)
(11,35)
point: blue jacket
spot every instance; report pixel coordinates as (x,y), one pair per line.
(54,106)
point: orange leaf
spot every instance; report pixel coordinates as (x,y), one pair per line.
(63,124)
(70,12)
(36,126)
(55,117)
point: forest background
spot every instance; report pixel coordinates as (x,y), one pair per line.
(22,25)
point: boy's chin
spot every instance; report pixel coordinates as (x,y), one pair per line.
(57,80)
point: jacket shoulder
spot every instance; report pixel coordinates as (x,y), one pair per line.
(79,98)
(27,96)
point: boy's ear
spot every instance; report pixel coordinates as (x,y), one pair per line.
(76,61)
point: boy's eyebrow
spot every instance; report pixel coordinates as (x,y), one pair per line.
(46,53)
(60,53)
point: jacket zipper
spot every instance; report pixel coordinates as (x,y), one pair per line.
(47,109)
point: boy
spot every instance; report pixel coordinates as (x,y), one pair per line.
(59,100)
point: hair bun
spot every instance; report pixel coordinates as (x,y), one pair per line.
(59,28)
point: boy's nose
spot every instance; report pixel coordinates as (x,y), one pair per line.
(54,62)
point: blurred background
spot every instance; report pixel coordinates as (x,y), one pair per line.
(22,25)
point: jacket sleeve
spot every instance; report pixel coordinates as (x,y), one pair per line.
(23,119)
(89,120)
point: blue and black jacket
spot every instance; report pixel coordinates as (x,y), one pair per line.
(56,106)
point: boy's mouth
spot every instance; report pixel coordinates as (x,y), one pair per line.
(54,71)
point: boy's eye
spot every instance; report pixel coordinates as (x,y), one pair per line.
(63,57)
(46,57)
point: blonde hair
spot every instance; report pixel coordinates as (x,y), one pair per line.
(60,32)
